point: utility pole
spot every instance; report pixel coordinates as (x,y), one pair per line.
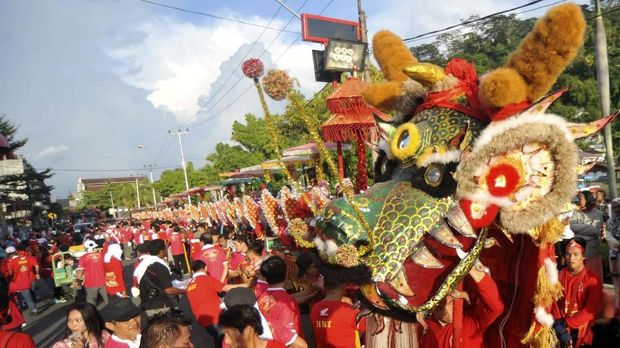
(364,33)
(178,134)
(150,168)
(112,201)
(138,192)
(602,77)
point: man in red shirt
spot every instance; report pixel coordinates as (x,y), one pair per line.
(476,318)
(575,313)
(23,271)
(176,248)
(334,321)
(92,272)
(214,257)
(202,294)
(122,318)
(242,328)
(278,307)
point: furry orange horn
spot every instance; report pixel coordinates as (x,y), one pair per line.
(392,55)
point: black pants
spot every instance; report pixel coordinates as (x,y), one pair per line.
(179,262)
(215,332)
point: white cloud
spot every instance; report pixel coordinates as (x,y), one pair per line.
(51,151)
(178,62)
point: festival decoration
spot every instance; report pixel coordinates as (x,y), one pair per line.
(277,84)
(466,165)
(253,68)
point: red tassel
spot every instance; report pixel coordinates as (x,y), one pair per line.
(510,177)
(485,220)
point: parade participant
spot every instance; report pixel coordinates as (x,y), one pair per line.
(477,317)
(237,258)
(278,307)
(114,278)
(334,321)
(253,258)
(575,313)
(214,257)
(23,271)
(587,222)
(122,318)
(92,272)
(85,328)
(177,250)
(242,328)
(202,294)
(612,236)
(154,278)
(167,331)
(126,238)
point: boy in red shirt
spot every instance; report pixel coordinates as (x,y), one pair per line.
(278,307)
(176,248)
(575,313)
(242,328)
(23,271)
(334,321)
(202,294)
(92,272)
(214,257)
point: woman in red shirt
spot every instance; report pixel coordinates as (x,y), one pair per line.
(114,278)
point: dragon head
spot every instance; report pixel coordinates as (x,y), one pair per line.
(463,156)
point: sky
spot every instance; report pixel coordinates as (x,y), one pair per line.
(87,81)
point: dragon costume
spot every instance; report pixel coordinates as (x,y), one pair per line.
(471,167)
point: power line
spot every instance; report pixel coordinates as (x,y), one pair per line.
(482,20)
(469,22)
(212,96)
(217,114)
(215,16)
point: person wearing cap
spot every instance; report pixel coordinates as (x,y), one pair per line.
(612,236)
(92,272)
(575,313)
(23,271)
(122,318)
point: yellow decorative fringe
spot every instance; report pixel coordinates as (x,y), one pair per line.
(549,232)
(543,338)
(298,229)
(546,294)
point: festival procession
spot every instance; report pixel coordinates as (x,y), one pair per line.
(437,179)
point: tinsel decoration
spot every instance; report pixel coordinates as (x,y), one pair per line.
(253,68)
(347,256)
(277,84)
(298,229)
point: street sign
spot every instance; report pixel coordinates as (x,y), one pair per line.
(320,29)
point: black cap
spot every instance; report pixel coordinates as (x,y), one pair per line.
(239,296)
(120,310)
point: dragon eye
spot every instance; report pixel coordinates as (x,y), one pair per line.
(434,174)
(405,142)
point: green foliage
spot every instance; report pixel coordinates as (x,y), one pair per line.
(489,43)
(123,195)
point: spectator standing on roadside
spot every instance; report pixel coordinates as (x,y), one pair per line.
(23,271)
(92,272)
(587,222)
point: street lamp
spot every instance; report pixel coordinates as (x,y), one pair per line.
(178,134)
(150,169)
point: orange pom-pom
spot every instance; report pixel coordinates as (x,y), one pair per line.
(501,87)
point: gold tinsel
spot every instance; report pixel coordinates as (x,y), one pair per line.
(298,229)
(543,338)
(549,232)
(546,294)
(347,256)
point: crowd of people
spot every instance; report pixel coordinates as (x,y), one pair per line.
(237,291)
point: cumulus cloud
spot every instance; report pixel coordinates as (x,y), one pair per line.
(52,151)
